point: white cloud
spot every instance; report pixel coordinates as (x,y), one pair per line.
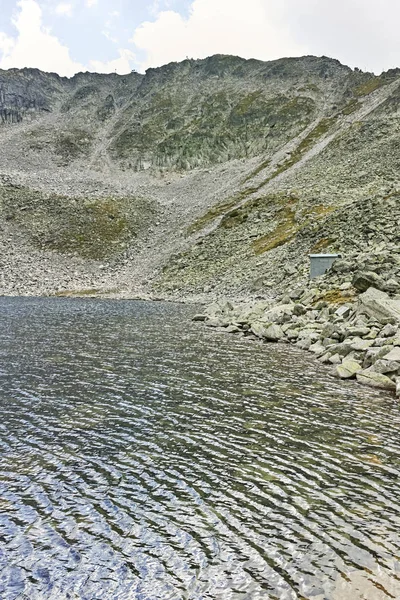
(250,28)
(109,36)
(34,45)
(64,9)
(91,3)
(120,65)
(361,33)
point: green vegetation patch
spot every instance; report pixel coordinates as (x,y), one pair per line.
(282,233)
(72,144)
(370,86)
(92,228)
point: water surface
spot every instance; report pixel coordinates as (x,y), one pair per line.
(143,456)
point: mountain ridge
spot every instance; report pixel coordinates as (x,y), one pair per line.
(152,183)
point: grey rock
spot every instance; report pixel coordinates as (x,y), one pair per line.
(379,305)
(343,311)
(385,366)
(389,330)
(366,279)
(376,380)
(348,369)
(273,333)
(335,359)
(359,344)
(393,355)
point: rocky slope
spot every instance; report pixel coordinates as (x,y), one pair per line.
(196,180)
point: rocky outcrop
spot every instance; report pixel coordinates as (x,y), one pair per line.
(356,335)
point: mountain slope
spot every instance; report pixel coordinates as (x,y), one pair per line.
(211,176)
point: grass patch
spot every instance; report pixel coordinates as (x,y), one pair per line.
(370,86)
(334,297)
(351,107)
(322,244)
(90,293)
(284,231)
(218,211)
(94,229)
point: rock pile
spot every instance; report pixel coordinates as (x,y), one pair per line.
(353,327)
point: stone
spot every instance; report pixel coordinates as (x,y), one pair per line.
(199,317)
(366,279)
(391,286)
(359,344)
(317,349)
(273,333)
(232,329)
(385,366)
(397,387)
(389,330)
(345,286)
(348,369)
(393,354)
(357,331)
(374,354)
(335,359)
(299,310)
(279,313)
(215,322)
(343,311)
(342,349)
(325,358)
(267,331)
(376,380)
(379,306)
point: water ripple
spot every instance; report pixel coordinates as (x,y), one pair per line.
(145,457)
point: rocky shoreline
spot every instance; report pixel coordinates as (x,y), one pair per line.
(348,319)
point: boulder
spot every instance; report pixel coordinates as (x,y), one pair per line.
(267,331)
(389,330)
(281,313)
(199,318)
(366,279)
(376,380)
(379,306)
(343,311)
(358,344)
(385,366)
(397,387)
(348,369)
(393,354)
(335,359)
(317,349)
(273,333)
(233,329)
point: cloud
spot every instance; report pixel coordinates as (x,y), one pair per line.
(120,65)
(361,33)
(251,28)
(34,45)
(64,9)
(91,3)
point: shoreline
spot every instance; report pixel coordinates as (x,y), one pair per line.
(355,332)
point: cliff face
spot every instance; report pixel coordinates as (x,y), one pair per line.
(180,116)
(208,176)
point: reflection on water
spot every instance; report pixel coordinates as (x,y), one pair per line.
(146,457)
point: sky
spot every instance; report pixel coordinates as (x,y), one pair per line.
(68,36)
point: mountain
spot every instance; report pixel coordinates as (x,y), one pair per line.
(205,177)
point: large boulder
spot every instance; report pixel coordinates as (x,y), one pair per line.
(376,380)
(379,306)
(366,279)
(348,369)
(267,331)
(278,314)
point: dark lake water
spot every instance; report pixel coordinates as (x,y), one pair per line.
(146,457)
